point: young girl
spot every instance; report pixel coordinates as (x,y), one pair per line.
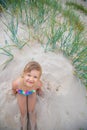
(26,87)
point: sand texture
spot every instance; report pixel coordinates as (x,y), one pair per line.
(64,105)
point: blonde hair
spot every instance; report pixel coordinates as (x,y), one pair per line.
(33,65)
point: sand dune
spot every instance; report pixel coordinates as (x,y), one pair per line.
(64,105)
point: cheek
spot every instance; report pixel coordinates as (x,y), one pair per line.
(36,80)
(26,78)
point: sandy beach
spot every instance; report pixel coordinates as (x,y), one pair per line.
(64,105)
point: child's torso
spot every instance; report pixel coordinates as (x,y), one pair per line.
(25,90)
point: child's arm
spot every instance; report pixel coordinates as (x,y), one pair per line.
(39,90)
(14,87)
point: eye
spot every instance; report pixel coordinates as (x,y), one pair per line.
(35,77)
(29,75)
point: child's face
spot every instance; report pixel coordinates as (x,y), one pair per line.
(31,78)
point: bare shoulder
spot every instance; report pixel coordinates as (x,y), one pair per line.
(16,82)
(15,85)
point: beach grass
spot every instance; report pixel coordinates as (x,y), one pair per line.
(77,6)
(74,49)
(6,52)
(76,22)
(42,19)
(1,8)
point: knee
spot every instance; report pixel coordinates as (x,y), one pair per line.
(23,114)
(32,111)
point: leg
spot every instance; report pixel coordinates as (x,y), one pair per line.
(32,117)
(31,110)
(22,107)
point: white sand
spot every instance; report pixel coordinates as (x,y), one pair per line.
(64,106)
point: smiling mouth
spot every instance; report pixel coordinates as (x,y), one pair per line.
(30,82)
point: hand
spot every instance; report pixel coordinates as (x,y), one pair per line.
(40,93)
(11,92)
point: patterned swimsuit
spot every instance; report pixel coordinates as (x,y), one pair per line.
(25,93)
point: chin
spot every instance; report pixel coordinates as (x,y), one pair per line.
(29,85)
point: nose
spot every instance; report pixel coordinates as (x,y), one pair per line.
(31,78)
